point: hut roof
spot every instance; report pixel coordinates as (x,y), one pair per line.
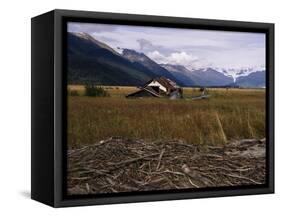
(148,90)
(169,84)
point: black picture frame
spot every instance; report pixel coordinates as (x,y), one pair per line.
(48,148)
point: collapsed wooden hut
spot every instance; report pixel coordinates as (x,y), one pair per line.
(159,87)
(144,92)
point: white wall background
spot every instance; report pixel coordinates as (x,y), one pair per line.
(15,106)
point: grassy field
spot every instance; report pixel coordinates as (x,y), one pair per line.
(228,114)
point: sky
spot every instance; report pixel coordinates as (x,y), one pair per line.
(189,47)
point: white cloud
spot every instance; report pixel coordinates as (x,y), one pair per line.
(182,58)
(157,57)
(178,58)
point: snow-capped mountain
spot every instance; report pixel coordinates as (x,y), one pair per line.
(244,77)
(199,77)
(253,80)
(239,72)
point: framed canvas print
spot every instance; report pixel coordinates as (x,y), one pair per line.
(131,108)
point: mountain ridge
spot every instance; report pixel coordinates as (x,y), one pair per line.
(90,60)
(144,60)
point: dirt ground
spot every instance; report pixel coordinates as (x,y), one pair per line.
(125,165)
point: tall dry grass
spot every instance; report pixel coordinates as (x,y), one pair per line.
(228,114)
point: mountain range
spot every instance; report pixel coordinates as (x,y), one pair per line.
(90,60)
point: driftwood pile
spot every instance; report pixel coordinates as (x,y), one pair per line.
(122,165)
